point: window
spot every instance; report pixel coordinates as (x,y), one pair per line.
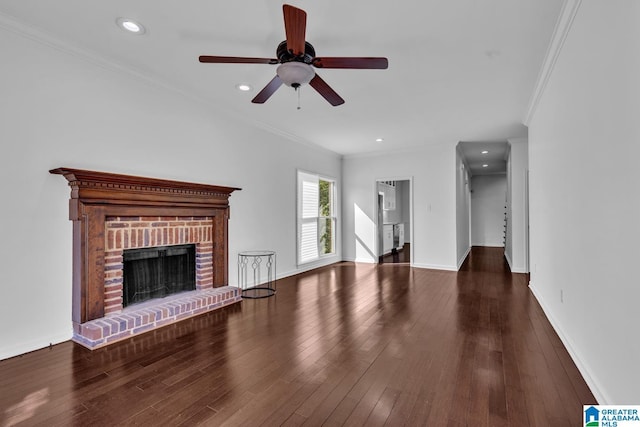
(316,217)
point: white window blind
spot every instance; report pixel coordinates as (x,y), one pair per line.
(308,189)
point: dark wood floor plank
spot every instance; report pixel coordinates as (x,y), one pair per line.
(346,344)
(381,411)
(409,383)
(325,389)
(294,420)
(286,409)
(256,411)
(232,403)
(337,406)
(369,389)
(515,397)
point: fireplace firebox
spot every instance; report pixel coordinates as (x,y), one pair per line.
(157,272)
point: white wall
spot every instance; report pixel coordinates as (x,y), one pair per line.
(516,245)
(584,205)
(58,109)
(433,241)
(463,210)
(488,201)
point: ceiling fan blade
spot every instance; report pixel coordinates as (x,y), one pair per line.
(268,90)
(351,62)
(236,60)
(325,90)
(295,24)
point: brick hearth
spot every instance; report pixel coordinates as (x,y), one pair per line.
(153,314)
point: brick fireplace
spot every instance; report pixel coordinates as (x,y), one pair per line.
(112,213)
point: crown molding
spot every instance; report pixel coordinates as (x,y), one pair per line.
(560,33)
(294,138)
(42,37)
(37,35)
(414,149)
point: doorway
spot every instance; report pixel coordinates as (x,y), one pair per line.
(394,203)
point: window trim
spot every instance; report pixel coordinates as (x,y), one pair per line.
(319,256)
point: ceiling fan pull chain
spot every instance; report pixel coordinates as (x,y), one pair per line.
(298,90)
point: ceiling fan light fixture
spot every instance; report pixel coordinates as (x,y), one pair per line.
(243,87)
(131,26)
(295,74)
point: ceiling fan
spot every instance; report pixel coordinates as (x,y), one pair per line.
(297,59)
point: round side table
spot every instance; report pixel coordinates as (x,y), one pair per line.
(257,273)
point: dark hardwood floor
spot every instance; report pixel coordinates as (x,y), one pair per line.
(402,256)
(343,345)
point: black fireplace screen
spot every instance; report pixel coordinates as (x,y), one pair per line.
(157,272)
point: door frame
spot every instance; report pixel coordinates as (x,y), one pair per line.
(378,214)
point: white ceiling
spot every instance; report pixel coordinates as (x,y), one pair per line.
(459,70)
(477,154)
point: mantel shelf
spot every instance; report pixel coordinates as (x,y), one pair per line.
(110,187)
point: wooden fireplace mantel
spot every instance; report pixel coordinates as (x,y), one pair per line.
(98,195)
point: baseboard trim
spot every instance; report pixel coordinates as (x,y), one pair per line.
(600,396)
(308,267)
(33,345)
(512,268)
(463,258)
(489,244)
(436,267)
(508,258)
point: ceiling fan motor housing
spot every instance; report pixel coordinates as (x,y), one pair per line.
(285,55)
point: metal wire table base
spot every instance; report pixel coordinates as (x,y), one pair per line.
(261,263)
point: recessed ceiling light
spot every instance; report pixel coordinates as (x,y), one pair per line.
(485,152)
(379,139)
(131,26)
(485,166)
(243,87)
